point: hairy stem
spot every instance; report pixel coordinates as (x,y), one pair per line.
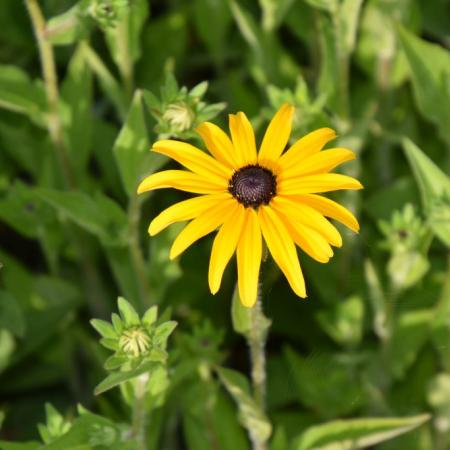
(256,339)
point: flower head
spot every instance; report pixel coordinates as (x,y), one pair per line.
(250,196)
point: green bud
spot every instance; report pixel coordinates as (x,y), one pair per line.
(135,341)
(179,116)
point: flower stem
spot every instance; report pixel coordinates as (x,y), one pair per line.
(139,420)
(256,339)
(54,124)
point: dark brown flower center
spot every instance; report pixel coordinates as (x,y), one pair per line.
(253,185)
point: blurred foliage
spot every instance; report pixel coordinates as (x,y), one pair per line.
(364,362)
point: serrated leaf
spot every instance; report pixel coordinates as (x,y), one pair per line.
(117,378)
(127,312)
(353,434)
(430,74)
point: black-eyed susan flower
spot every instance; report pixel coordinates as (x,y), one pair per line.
(252,196)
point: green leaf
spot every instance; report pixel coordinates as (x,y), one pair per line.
(240,315)
(6,445)
(76,96)
(352,434)
(124,39)
(344,321)
(150,316)
(90,431)
(97,214)
(323,382)
(434,187)
(433,183)
(104,328)
(250,415)
(68,27)
(430,74)
(19,94)
(127,312)
(116,378)
(163,332)
(108,83)
(132,147)
(411,329)
(213,20)
(349,16)
(11,314)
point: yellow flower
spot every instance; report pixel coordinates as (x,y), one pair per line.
(250,195)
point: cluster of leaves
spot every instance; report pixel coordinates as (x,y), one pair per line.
(364,360)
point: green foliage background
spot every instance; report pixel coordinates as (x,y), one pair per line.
(373,338)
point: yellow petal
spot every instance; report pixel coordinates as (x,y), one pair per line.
(185,210)
(282,248)
(249,253)
(182,180)
(298,212)
(276,137)
(243,139)
(218,143)
(306,146)
(193,159)
(321,162)
(330,208)
(224,246)
(201,226)
(311,184)
(310,241)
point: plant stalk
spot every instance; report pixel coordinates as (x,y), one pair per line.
(54,124)
(256,339)
(139,421)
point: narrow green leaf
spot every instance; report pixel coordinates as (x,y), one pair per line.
(433,183)
(99,215)
(410,332)
(11,314)
(430,74)
(127,312)
(19,94)
(150,316)
(6,445)
(76,96)
(117,378)
(163,332)
(132,147)
(240,315)
(104,328)
(250,415)
(352,434)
